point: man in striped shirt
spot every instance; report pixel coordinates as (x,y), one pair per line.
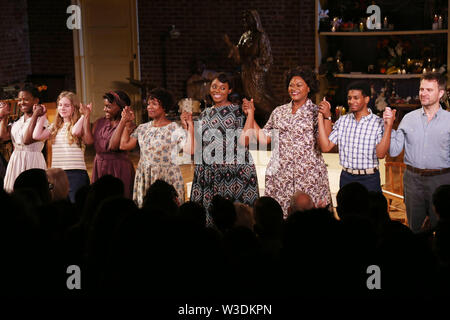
(362,137)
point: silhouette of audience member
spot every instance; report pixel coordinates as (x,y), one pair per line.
(300,201)
(59,184)
(441,241)
(101,249)
(19,244)
(161,199)
(222,213)
(192,214)
(269,230)
(378,211)
(35,179)
(352,200)
(244,215)
(268,218)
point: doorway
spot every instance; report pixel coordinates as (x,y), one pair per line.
(107,52)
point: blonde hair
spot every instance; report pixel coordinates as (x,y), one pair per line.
(59,121)
(58,178)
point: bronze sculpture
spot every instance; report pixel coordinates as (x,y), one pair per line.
(254,53)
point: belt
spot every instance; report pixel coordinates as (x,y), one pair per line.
(361,171)
(427,172)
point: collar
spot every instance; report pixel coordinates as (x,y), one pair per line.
(307,105)
(363,118)
(440,110)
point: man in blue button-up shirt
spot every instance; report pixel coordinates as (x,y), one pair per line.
(425,135)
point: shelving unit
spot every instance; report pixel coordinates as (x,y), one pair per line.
(321,39)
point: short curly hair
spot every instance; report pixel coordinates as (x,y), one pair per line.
(308,75)
(164,98)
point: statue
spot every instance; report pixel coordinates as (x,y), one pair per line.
(254,54)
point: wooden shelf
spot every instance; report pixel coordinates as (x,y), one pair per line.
(383,33)
(377,76)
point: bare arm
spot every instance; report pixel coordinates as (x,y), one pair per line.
(325,113)
(5,133)
(114,142)
(83,126)
(40,132)
(38,111)
(188,125)
(247,132)
(249,109)
(383,147)
(126,141)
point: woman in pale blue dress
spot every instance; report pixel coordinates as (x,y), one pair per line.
(159,140)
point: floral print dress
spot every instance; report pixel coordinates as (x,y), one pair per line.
(159,158)
(296,163)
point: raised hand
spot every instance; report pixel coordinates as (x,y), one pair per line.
(127,114)
(4,110)
(186,119)
(389,116)
(325,108)
(86,109)
(39,110)
(248,107)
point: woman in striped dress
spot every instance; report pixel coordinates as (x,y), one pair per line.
(69,134)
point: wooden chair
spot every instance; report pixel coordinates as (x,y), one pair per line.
(393,188)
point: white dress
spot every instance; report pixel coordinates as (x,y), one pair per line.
(24,157)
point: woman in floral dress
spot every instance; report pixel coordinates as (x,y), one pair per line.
(223,166)
(296,163)
(159,140)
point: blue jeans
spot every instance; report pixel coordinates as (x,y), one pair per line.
(77,179)
(370,181)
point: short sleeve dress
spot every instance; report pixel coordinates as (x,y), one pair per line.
(159,158)
(115,163)
(221,167)
(24,157)
(296,163)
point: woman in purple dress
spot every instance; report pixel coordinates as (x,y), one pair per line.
(107,131)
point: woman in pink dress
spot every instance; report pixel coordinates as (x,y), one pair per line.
(107,131)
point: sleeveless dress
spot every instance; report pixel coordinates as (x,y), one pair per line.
(115,163)
(24,157)
(231,174)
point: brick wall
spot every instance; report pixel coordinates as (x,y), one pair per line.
(51,43)
(289,25)
(14,42)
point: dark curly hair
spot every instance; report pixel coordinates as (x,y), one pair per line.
(308,75)
(119,97)
(225,78)
(164,98)
(360,85)
(31,89)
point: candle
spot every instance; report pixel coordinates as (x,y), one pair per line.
(433,70)
(404,71)
(361,27)
(440,22)
(424,70)
(435,22)
(333,29)
(385,23)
